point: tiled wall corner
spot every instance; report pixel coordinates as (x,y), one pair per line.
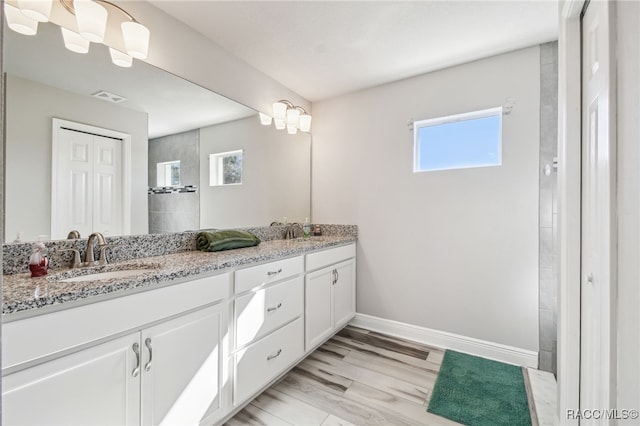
(548,271)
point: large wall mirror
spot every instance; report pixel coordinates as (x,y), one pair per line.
(178,157)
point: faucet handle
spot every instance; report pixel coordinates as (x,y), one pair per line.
(102,257)
(76,257)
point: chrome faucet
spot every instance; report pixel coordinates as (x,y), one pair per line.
(89,258)
(293,230)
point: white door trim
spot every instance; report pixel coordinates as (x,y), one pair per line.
(56,124)
(569,198)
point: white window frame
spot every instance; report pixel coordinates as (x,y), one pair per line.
(216,170)
(417,125)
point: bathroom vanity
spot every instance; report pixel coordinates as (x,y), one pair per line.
(191,339)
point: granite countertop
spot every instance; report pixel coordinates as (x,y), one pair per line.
(32,296)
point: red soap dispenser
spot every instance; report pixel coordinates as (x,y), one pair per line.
(38,262)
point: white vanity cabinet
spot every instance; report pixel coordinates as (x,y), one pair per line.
(158,358)
(329,293)
(268,318)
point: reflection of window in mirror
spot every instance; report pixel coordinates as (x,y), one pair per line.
(169,173)
(225,168)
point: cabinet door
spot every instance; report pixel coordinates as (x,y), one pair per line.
(94,386)
(318,305)
(181,368)
(344,302)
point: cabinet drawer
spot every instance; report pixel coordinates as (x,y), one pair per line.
(264,360)
(329,257)
(246,279)
(262,311)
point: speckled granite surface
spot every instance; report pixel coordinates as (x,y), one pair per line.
(15,257)
(22,293)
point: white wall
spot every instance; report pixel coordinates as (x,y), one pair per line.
(31,106)
(276,176)
(628,316)
(454,251)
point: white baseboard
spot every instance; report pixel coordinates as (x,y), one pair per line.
(442,339)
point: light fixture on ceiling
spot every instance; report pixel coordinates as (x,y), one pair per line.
(91,24)
(288,116)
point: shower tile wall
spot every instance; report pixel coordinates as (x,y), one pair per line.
(548,273)
(175,212)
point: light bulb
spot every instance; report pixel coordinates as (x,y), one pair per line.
(305,122)
(74,41)
(120,59)
(292,129)
(92,20)
(265,119)
(279,110)
(136,39)
(39,10)
(18,22)
(280,124)
(292,116)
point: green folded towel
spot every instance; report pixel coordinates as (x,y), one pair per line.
(225,240)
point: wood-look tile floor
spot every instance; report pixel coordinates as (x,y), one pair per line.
(358,377)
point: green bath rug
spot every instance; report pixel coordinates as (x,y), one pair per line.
(477,392)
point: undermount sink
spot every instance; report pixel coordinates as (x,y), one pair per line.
(105,272)
(106,275)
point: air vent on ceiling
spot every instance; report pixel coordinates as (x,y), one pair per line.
(111,97)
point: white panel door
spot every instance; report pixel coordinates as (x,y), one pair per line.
(87,184)
(107,170)
(95,386)
(182,364)
(74,183)
(598,210)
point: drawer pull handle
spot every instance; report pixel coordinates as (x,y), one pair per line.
(274,308)
(271,273)
(276,355)
(147,342)
(136,350)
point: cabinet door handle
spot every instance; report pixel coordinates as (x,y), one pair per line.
(333,277)
(271,273)
(136,350)
(337,276)
(147,343)
(276,355)
(275,308)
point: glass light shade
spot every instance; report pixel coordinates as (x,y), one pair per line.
(92,20)
(18,22)
(305,122)
(279,111)
(292,129)
(280,124)
(120,59)
(292,116)
(136,39)
(40,10)
(74,41)
(265,119)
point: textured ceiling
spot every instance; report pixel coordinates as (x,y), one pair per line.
(322,49)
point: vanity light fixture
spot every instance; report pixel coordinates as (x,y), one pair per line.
(288,116)
(91,24)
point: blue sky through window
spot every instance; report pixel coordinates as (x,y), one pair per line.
(473,142)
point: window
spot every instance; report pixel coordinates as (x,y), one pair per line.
(459,141)
(225,168)
(168,173)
